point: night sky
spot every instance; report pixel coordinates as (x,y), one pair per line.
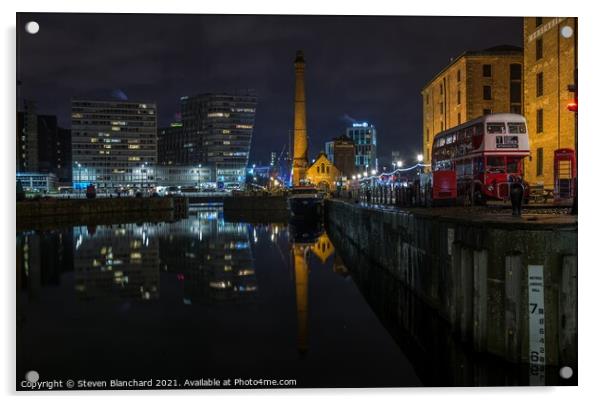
(363,68)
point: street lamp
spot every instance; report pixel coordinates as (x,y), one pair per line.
(199,176)
(373,172)
(79,174)
(420,158)
(365,173)
(142,172)
(399,164)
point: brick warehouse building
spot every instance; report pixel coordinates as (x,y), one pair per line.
(549,68)
(471,85)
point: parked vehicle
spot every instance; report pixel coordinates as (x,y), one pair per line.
(90,191)
(479,159)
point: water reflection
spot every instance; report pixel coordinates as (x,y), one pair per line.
(120,262)
(206,297)
(214,265)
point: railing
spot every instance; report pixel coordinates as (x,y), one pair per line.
(411,195)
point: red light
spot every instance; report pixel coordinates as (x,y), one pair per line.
(572,106)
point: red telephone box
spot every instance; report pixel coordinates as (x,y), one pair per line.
(565,172)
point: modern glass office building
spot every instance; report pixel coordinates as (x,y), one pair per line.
(363,135)
(113,143)
(217,129)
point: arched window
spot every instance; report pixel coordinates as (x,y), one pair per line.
(323,168)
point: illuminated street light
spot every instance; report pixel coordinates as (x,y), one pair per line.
(365,173)
(399,164)
(373,172)
(420,158)
(353,176)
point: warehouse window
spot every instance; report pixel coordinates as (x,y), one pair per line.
(459,76)
(538,21)
(538,49)
(516,71)
(516,92)
(539,161)
(539,85)
(540,120)
(486,70)
(486,92)
(459,97)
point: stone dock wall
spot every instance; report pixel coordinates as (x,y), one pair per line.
(49,212)
(478,273)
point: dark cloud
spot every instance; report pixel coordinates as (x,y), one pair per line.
(369,68)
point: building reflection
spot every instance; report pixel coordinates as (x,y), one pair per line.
(339,267)
(42,257)
(120,261)
(306,239)
(211,258)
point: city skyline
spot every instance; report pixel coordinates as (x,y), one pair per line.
(295,201)
(367,68)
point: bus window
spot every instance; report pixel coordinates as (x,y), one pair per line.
(478,165)
(468,168)
(517,127)
(496,127)
(459,168)
(513,165)
(496,165)
(442,165)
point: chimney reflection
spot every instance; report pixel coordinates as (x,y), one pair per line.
(306,238)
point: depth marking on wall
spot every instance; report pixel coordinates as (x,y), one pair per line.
(537,325)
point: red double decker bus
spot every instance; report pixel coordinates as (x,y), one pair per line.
(477,160)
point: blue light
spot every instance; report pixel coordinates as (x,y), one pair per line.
(360,125)
(80,185)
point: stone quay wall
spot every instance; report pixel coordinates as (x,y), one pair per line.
(51,212)
(479,273)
